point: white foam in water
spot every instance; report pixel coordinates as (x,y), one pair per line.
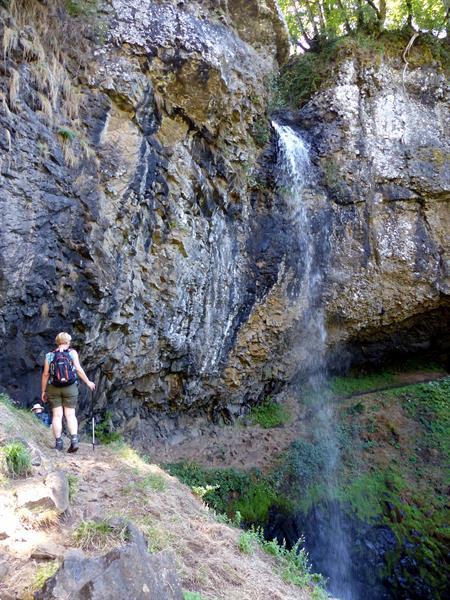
(293,175)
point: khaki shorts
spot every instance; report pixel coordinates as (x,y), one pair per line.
(66,396)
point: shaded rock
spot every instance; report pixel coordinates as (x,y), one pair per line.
(36,458)
(47,551)
(124,573)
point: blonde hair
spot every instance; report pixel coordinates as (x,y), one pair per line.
(63,338)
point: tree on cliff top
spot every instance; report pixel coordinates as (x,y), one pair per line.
(312,22)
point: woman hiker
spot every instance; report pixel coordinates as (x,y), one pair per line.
(62,367)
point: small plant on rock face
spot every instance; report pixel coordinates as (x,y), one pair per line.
(43,572)
(67,134)
(78,8)
(260,132)
(18,459)
(105,430)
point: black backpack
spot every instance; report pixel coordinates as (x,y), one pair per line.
(62,370)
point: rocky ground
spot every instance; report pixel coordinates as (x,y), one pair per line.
(39,524)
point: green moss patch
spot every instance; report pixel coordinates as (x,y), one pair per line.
(269,414)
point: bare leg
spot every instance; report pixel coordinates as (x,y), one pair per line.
(71,420)
(57,414)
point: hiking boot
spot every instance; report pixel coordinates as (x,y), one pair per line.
(59,444)
(73,443)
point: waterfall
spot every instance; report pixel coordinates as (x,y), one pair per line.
(294,175)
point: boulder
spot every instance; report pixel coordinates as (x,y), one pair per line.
(4,569)
(52,493)
(123,573)
(47,551)
(58,485)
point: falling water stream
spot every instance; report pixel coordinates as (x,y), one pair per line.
(294,174)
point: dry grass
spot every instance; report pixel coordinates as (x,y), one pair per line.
(10,40)
(207,551)
(46,107)
(4,105)
(32,48)
(99,535)
(71,98)
(41,75)
(39,519)
(8,139)
(26,11)
(45,40)
(70,156)
(14,90)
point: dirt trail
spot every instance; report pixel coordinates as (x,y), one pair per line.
(246,446)
(116,482)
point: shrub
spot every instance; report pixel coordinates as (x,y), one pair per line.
(255,503)
(304,463)
(78,8)
(294,563)
(428,404)
(230,491)
(18,459)
(248,540)
(269,414)
(104,431)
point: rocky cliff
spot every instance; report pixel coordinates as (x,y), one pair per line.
(128,146)
(140,212)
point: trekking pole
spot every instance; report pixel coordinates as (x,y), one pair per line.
(93,421)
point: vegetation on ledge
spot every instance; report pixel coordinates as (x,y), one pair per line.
(307,73)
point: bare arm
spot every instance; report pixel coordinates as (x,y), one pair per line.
(80,371)
(44,381)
